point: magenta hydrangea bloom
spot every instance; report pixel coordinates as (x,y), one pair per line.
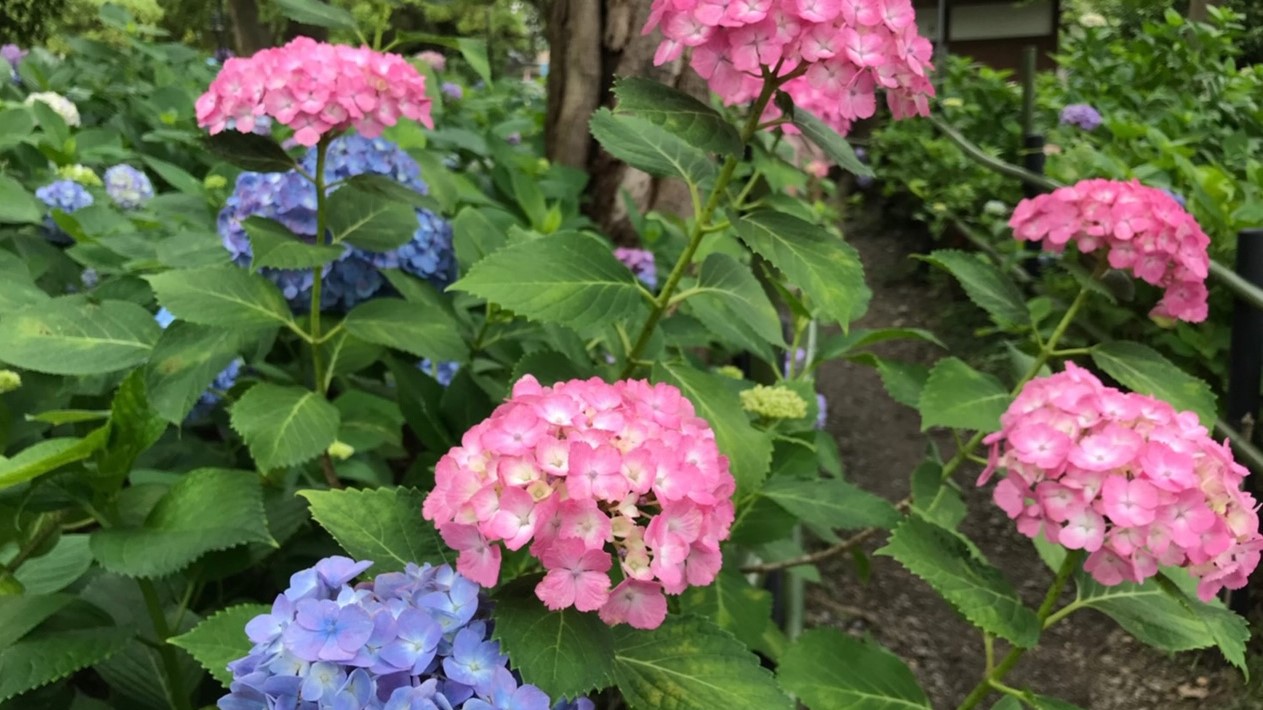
(316,89)
(1127,478)
(1143,230)
(590,474)
(848,49)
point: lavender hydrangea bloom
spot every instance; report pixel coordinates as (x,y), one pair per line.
(1081,115)
(443,372)
(67,196)
(128,187)
(641,263)
(223,381)
(822,411)
(452,91)
(13,54)
(389,644)
(291,200)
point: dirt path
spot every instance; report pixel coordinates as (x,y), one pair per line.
(1086,660)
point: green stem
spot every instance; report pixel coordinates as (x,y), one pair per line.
(170,661)
(1046,351)
(317,273)
(701,223)
(992,680)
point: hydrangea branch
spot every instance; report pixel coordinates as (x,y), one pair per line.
(170,660)
(317,273)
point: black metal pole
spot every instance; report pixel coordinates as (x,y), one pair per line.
(1245,366)
(1033,160)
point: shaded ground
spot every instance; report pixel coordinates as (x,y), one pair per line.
(1086,659)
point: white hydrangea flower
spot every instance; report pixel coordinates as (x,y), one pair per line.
(63,106)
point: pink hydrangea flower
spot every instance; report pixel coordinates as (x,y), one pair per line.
(1142,230)
(842,50)
(316,89)
(589,474)
(1128,479)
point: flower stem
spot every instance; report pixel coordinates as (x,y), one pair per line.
(701,223)
(170,661)
(317,273)
(992,680)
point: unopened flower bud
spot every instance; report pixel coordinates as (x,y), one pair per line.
(9,381)
(773,402)
(341,450)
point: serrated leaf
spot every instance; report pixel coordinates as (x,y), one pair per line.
(369,220)
(70,336)
(389,188)
(58,569)
(988,287)
(567,278)
(831,142)
(1142,369)
(958,396)
(226,296)
(274,246)
(829,670)
(368,421)
(206,510)
(749,451)
(967,581)
(49,455)
(475,234)
(826,268)
(250,151)
(688,663)
(21,613)
(642,144)
(42,658)
(220,639)
(830,503)
(934,499)
(903,381)
(679,113)
(134,427)
(565,653)
(733,605)
(730,301)
(383,525)
(407,326)
(284,426)
(183,364)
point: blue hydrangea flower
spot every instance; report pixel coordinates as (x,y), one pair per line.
(640,262)
(443,372)
(452,91)
(128,187)
(405,641)
(1082,116)
(290,199)
(67,196)
(223,382)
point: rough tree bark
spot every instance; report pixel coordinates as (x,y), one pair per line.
(592,42)
(249,34)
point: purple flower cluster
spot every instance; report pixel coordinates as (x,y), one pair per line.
(407,640)
(128,187)
(443,372)
(12,54)
(290,199)
(222,383)
(1082,116)
(67,196)
(452,91)
(641,263)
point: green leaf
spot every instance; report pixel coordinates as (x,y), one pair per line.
(838,344)
(250,151)
(134,427)
(226,296)
(688,663)
(904,381)
(51,122)
(419,398)
(831,142)
(732,604)
(828,669)
(368,421)
(958,396)
(475,53)
(369,220)
(17,206)
(829,503)
(642,144)
(1043,702)
(220,639)
(18,290)
(567,278)
(185,362)
(826,268)
(749,451)
(70,336)
(58,569)
(21,613)
(49,455)
(206,510)
(475,234)
(42,658)
(176,176)
(389,188)
(680,114)
(564,653)
(284,426)
(988,287)
(383,525)
(314,12)
(15,125)
(276,247)
(934,499)
(730,301)
(966,580)
(406,326)
(1142,369)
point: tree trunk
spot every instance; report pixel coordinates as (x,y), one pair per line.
(591,42)
(1197,10)
(249,35)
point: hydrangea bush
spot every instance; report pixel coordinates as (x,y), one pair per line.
(384,332)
